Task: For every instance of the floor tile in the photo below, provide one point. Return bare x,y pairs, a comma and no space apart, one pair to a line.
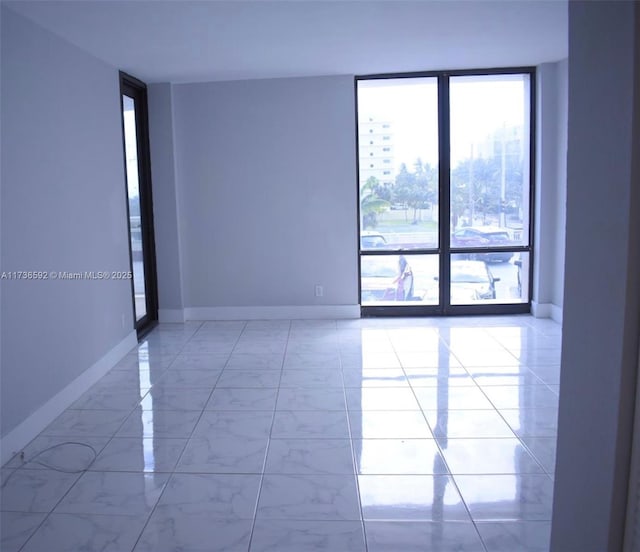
312,456
523,376
532,422
410,497
189,378
537,356
170,530
161,397
50,452
263,346
521,396
388,424
249,378
228,424
205,361
145,361
276,535
548,374
247,361
311,378
507,497
311,361
199,347
372,359
308,497
408,536
117,398
289,424
381,398
139,455
448,424
398,456
128,379
223,325
544,451
34,490
279,435
483,456
113,493
429,359
115,533
469,355
508,536
267,325
391,377
242,399
224,455
87,423
219,496
161,423
310,399
17,527
433,377
452,398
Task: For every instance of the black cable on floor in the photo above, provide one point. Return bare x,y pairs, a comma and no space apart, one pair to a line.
33,460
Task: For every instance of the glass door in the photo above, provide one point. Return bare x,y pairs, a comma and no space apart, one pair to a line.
445,192
139,203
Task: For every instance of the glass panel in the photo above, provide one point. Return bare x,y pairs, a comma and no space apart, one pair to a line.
398,160
489,160
135,235
399,279
485,278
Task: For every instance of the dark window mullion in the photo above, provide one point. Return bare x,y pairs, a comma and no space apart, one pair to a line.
444,177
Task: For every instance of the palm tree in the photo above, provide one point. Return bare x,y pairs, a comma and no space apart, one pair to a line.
370,203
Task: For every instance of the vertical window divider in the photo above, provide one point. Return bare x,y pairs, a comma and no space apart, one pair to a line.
444,177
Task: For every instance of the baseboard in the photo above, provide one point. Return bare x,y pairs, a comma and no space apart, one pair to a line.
30,428
556,313
541,310
547,310
168,316
311,312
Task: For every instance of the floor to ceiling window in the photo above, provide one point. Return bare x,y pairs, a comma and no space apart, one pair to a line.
445,192
139,202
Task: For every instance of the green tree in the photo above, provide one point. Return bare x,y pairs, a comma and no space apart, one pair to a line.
371,204
416,189
476,188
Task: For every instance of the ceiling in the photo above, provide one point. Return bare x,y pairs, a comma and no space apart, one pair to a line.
193,41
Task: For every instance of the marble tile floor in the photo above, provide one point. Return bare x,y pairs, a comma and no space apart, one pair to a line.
375,435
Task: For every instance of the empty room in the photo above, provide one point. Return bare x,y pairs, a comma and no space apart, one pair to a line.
351,276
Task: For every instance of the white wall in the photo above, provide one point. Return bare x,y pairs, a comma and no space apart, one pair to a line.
266,180
165,202
63,208
560,198
601,294
551,187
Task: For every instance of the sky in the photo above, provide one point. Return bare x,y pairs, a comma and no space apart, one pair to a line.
479,106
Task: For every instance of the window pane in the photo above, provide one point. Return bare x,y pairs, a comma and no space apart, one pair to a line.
399,279
489,160
398,163
131,151
481,278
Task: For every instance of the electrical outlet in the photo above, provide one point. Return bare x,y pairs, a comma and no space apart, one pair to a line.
319,291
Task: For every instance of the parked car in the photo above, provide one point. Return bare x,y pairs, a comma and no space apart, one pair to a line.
484,236
471,281
386,278
371,240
